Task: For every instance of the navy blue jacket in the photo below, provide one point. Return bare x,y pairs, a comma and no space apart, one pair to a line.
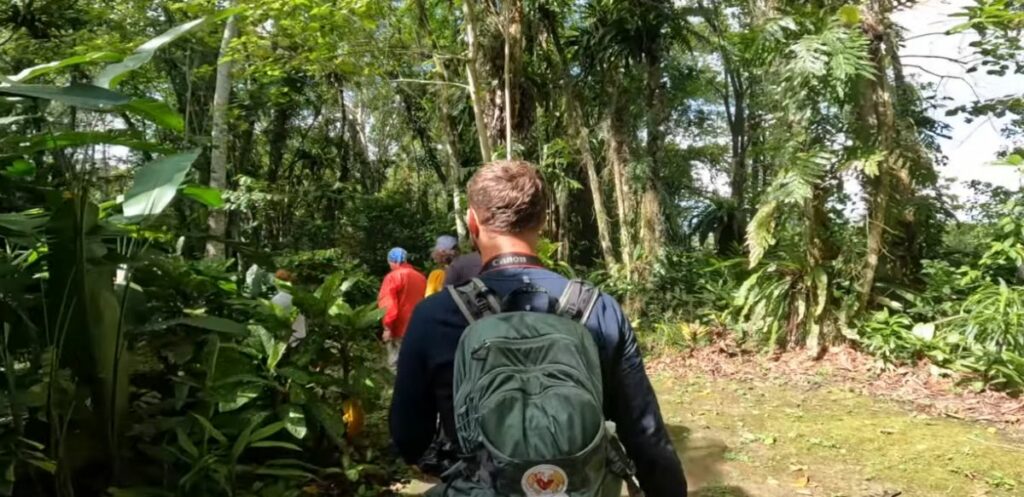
426,362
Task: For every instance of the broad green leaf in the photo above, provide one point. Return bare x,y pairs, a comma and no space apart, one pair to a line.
272,347
330,419
185,443
50,141
286,472
21,168
1015,160
924,331
276,445
43,464
139,492
245,438
243,396
212,323
75,95
295,421
21,223
156,112
7,121
114,73
205,195
41,69
267,431
156,184
210,430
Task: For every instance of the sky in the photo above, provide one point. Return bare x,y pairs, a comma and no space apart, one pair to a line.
972,147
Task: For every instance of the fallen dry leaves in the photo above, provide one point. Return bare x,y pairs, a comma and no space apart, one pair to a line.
917,386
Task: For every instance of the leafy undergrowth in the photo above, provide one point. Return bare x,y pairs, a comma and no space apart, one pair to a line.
744,438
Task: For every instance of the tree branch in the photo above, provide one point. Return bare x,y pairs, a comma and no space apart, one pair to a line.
939,57
946,76
428,82
922,35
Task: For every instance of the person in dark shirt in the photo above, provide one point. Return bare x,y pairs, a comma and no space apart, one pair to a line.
463,269
507,205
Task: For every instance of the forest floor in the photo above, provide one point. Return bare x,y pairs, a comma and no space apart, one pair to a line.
749,426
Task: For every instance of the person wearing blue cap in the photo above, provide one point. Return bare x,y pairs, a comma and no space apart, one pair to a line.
446,248
400,291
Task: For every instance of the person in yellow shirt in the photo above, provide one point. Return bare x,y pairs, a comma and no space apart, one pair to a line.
445,250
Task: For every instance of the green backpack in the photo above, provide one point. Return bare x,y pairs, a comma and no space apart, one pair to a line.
528,400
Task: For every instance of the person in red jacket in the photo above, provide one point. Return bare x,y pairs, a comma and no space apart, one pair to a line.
401,290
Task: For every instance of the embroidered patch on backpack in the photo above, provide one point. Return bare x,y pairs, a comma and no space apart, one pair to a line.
545,480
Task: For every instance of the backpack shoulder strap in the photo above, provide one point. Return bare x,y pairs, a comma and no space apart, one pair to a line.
475,300
578,300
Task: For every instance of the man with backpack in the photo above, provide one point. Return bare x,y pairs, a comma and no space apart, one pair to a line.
525,367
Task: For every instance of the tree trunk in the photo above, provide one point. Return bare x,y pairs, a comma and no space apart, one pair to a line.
473,76
219,139
581,135
652,230
564,233
512,29
277,139
617,151
910,253
818,253
738,181
877,112
450,140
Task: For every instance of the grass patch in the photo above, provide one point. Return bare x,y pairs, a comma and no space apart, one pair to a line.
777,440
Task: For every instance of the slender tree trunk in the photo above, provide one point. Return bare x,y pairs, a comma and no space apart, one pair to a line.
581,135
878,112
738,180
910,253
219,139
512,29
818,253
652,230
564,233
617,151
277,139
450,140
473,77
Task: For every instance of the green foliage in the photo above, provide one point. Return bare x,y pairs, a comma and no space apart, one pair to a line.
133,371
890,337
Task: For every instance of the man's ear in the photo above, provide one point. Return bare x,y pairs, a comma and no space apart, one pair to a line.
472,223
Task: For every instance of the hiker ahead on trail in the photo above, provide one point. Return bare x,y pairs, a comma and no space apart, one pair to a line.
400,291
526,366
446,249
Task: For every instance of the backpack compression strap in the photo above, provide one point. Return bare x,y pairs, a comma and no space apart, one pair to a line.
578,300
475,300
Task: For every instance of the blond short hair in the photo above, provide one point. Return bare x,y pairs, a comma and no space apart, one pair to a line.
509,196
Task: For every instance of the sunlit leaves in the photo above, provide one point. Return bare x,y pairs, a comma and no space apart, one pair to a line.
49,67
113,73
77,95
792,187
156,184
208,196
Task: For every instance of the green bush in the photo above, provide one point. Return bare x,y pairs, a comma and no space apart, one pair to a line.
890,337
